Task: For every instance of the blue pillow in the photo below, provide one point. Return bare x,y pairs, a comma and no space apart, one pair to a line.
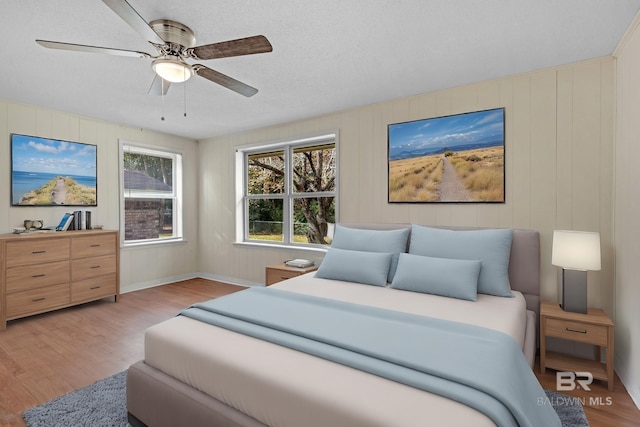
386,241
454,278
492,247
370,268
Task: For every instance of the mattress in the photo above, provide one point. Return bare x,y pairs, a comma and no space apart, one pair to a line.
286,388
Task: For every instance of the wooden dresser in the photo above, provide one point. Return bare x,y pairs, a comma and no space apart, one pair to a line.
41,272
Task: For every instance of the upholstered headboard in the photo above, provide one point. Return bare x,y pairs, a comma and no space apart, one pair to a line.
524,262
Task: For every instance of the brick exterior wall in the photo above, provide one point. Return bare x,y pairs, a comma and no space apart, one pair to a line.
142,219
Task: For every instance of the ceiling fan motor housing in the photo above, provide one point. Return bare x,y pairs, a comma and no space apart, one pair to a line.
174,32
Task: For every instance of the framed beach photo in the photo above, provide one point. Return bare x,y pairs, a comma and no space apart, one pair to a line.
52,172
450,159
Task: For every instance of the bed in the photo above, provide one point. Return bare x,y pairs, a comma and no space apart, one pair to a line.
239,380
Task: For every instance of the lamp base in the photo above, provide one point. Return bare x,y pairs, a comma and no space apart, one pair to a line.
574,291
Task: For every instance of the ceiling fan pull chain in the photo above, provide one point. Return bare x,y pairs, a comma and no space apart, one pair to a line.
185,93
162,101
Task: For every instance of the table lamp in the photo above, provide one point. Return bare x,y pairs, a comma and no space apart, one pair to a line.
576,252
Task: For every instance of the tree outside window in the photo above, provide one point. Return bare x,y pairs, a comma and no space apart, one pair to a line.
290,193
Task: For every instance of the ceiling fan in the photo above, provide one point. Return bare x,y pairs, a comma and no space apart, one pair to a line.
175,43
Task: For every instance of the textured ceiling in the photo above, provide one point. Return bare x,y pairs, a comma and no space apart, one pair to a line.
327,55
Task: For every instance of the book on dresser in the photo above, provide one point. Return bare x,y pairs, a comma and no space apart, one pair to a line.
65,222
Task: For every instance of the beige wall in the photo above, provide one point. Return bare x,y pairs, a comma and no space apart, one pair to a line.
627,212
139,267
559,169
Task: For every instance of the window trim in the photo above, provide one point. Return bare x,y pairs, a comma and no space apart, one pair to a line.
289,146
178,194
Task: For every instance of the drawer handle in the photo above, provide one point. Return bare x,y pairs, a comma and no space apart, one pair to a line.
38,275
97,245
38,252
95,266
95,287
580,331
38,299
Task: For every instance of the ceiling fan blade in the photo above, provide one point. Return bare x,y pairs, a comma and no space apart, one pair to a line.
92,49
135,21
245,46
159,86
224,80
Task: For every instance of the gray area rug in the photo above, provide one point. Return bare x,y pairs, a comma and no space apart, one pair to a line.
103,404
568,408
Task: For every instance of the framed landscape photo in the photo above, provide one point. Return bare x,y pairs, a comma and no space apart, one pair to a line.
52,172
450,159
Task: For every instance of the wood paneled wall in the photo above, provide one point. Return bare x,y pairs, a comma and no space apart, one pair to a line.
559,169
627,211
139,266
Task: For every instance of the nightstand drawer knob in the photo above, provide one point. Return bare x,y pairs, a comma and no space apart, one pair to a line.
580,331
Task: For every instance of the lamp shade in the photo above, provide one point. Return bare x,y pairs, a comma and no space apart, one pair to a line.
172,70
576,250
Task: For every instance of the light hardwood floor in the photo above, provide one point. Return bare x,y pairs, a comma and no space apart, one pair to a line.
45,356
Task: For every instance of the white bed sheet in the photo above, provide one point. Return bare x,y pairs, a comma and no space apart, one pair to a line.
286,388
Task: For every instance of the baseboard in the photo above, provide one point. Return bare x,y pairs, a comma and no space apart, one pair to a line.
157,282
166,280
226,279
633,388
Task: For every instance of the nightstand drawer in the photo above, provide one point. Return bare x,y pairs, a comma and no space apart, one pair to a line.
577,331
275,276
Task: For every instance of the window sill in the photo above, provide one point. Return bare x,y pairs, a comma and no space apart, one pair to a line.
317,249
161,242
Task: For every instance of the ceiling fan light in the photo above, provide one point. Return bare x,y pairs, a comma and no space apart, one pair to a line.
172,70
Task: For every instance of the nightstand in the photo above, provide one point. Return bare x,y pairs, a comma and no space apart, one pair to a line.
595,328
280,272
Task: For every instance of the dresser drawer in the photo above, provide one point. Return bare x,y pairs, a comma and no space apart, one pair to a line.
94,288
36,251
92,267
37,300
90,246
577,331
36,276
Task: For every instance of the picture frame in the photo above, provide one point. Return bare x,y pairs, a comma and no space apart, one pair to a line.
458,158
52,172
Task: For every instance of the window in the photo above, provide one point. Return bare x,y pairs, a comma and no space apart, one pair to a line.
151,194
289,191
